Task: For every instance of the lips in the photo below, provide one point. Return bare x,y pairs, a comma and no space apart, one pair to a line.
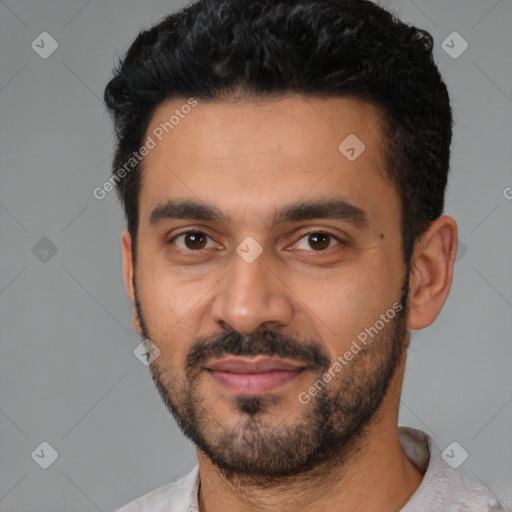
254,376
247,366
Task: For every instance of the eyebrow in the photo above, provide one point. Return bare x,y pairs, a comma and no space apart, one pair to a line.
335,208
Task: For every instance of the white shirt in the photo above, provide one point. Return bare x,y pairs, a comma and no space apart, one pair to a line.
442,489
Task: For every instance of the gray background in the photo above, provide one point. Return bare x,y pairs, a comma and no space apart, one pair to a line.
68,373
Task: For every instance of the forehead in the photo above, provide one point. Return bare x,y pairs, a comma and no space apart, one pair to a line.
253,156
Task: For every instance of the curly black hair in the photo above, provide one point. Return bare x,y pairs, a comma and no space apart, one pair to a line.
219,49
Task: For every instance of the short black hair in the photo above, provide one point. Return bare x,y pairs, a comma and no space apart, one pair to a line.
218,49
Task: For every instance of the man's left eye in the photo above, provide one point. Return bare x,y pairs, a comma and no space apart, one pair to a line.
318,241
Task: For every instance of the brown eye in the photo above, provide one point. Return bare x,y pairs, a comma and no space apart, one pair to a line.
318,241
192,240
195,240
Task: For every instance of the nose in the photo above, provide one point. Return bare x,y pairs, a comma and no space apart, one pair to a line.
252,297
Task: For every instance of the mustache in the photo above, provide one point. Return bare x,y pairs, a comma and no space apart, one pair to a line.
268,343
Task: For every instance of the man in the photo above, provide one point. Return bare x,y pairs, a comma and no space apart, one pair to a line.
282,165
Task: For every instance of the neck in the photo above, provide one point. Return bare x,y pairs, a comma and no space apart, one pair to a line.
376,476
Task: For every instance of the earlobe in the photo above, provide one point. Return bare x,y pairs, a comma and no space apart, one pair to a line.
431,272
135,320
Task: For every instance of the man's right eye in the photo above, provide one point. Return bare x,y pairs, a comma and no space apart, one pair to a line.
192,240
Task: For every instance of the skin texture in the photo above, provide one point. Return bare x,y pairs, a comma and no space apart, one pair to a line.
249,159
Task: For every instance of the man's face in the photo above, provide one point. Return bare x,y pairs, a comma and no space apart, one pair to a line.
255,282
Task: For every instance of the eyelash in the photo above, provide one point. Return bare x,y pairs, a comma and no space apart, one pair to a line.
304,235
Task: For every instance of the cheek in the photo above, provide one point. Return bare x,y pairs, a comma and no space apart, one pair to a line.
164,303
168,314
172,304
354,302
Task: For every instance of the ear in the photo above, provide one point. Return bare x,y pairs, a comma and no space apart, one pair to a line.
128,275
431,272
